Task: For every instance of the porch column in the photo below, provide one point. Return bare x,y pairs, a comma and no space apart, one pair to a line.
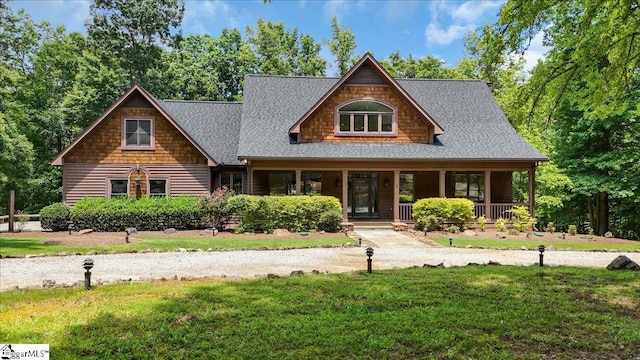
298,181
345,195
532,191
487,194
396,195
250,181
442,184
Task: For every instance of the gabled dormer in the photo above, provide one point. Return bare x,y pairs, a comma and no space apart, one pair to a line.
366,105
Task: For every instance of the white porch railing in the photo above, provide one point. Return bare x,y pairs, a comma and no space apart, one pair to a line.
497,211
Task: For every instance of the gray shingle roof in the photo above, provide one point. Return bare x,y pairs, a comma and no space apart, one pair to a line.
475,128
215,126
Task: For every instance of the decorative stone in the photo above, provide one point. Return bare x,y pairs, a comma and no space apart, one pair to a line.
315,272
48,283
622,262
272,276
608,234
297,273
182,250
29,256
206,232
501,235
524,248
92,252
170,231
85,231
469,246
131,230
281,232
493,263
399,226
470,233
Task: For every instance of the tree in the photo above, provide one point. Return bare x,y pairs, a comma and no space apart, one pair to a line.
427,67
341,45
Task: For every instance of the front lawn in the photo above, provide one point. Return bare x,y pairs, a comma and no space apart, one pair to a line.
20,246
533,243
455,313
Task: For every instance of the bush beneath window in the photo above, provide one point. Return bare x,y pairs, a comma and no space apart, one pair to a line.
147,214
456,211
55,217
294,213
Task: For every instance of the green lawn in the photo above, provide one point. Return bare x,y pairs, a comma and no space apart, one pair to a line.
473,312
533,243
24,246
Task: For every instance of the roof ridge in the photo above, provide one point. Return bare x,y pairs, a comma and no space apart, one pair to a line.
294,76
204,101
448,80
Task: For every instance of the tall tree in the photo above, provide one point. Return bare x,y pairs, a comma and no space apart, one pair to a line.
427,67
341,45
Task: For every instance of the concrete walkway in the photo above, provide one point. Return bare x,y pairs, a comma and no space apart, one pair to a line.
387,238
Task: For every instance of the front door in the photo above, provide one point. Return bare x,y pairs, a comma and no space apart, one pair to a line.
363,195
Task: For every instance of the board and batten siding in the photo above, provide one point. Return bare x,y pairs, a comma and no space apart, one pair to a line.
92,180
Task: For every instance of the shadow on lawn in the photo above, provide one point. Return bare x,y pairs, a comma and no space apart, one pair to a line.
485,312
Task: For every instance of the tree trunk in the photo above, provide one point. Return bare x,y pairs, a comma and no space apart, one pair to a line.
591,213
602,208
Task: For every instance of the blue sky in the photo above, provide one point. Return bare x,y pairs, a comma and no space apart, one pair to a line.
420,28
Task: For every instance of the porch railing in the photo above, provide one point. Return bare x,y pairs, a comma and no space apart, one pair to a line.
497,211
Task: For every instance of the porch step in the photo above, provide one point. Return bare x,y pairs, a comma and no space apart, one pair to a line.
372,225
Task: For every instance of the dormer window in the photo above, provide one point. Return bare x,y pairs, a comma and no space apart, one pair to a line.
137,133
365,118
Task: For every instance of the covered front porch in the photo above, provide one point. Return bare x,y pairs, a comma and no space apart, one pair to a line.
386,192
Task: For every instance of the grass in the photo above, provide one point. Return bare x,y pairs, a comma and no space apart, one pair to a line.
517,243
455,313
24,246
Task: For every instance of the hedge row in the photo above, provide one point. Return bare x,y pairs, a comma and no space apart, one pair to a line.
436,211
294,213
55,217
149,214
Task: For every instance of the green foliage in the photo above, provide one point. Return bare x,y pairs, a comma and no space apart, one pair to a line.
514,231
341,45
453,210
551,227
406,198
572,229
501,224
427,67
482,221
55,217
521,218
294,213
154,213
214,207
429,223
454,229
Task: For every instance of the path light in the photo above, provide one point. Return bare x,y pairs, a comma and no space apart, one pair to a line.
126,236
425,231
563,234
541,249
450,241
359,240
369,253
87,264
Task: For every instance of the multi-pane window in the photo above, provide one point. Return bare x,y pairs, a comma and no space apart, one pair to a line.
469,185
366,118
118,187
232,181
406,188
311,183
137,132
157,187
282,183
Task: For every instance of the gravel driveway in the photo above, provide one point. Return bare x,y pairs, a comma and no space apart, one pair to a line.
67,270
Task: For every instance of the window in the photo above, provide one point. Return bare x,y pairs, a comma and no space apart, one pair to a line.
157,188
137,133
118,188
233,181
365,118
282,183
470,186
311,183
406,188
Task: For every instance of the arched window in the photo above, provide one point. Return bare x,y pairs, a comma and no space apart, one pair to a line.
365,117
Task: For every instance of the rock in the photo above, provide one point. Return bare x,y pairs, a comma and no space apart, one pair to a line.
272,276
281,232
209,249
469,246
62,254
131,230
304,233
297,273
321,232
441,265
206,232
524,248
501,235
315,272
85,231
470,233
551,248
92,252
182,250
29,256
48,283
623,263
493,263
608,234
170,231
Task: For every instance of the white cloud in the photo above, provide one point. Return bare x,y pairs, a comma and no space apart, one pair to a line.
471,11
335,8
535,52
198,13
439,36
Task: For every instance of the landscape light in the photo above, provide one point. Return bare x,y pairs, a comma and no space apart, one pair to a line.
450,241
369,253
87,264
359,240
541,249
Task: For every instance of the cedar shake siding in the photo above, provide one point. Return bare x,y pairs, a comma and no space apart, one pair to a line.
92,180
104,144
320,126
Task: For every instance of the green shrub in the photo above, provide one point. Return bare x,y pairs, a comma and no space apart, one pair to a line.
406,198
482,222
551,227
454,210
521,218
151,214
501,224
214,207
55,217
454,229
430,223
294,213
514,231
572,229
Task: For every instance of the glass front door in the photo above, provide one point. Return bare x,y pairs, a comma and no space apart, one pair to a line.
363,195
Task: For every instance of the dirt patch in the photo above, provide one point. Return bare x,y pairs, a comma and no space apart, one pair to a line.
115,238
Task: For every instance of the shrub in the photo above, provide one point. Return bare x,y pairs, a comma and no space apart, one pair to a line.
152,214
55,217
482,221
521,218
572,229
430,223
406,198
551,227
294,213
454,229
214,207
514,231
501,224
456,211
